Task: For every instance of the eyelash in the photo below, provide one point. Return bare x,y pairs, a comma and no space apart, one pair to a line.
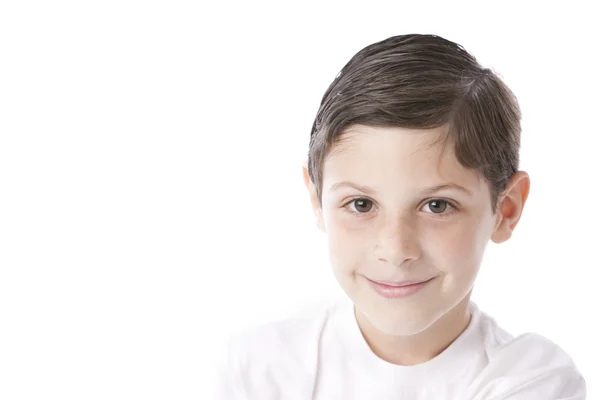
453,208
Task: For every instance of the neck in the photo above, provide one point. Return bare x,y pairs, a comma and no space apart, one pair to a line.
420,347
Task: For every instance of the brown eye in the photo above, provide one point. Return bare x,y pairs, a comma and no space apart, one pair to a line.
437,206
362,205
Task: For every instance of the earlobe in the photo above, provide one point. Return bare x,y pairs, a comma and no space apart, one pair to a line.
306,175
510,207
315,204
319,221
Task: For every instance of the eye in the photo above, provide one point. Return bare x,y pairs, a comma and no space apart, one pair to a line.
438,206
361,206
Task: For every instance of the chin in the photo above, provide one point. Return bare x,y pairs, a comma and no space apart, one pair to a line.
401,316
400,321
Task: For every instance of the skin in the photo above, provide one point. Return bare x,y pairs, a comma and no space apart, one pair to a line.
388,222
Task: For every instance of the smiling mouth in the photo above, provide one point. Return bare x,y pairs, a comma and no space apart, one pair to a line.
401,283
398,289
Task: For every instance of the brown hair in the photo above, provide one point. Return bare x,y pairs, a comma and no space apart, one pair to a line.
422,82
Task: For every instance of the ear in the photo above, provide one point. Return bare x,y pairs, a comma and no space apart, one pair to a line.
510,208
314,200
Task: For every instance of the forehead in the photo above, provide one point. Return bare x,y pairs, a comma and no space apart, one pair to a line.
382,155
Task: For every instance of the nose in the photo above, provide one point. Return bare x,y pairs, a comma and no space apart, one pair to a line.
398,243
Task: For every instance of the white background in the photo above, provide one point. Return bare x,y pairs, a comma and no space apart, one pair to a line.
151,198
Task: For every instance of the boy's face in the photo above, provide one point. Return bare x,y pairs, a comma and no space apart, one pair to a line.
385,222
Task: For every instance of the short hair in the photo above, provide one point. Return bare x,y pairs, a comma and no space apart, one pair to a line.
420,81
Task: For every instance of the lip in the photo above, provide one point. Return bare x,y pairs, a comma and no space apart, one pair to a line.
396,290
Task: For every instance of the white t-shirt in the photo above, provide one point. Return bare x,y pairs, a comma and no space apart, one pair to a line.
326,358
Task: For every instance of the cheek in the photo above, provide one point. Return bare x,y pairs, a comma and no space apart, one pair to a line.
459,252
458,248
346,240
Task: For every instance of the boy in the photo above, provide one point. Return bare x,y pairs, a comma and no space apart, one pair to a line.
412,169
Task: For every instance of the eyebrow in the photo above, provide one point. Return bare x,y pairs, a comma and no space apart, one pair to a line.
443,186
370,191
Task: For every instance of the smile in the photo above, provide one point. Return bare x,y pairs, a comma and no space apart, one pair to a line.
398,289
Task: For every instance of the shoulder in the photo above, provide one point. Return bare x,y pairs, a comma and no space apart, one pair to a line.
528,366
275,355
520,353
291,335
